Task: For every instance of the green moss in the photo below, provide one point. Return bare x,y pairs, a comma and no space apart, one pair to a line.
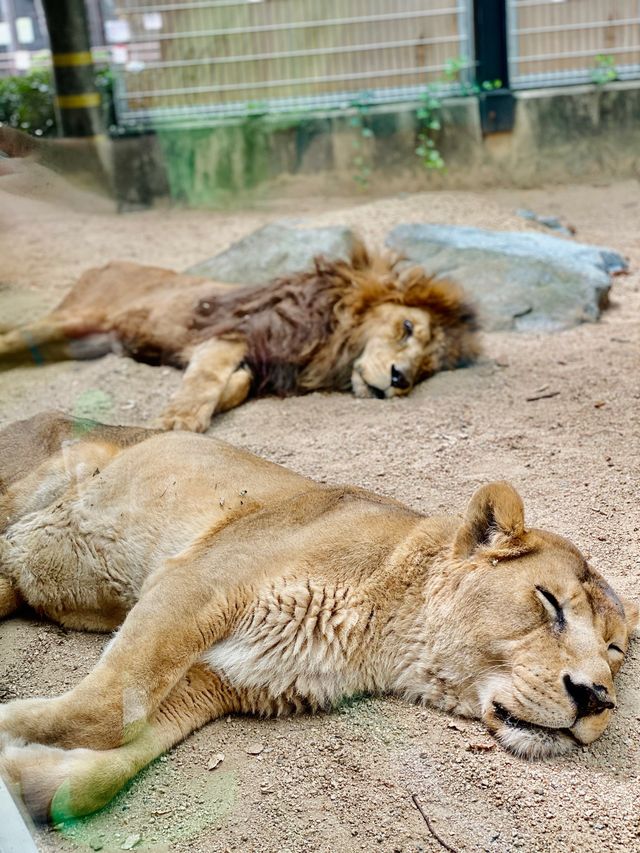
211,166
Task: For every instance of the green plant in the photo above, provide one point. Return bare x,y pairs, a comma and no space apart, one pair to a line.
104,80
604,70
453,69
429,124
428,118
26,102
360,121
429,112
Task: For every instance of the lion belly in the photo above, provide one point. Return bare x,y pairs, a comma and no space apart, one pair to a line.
299,638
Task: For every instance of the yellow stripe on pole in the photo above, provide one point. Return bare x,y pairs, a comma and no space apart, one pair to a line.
67,60
78,102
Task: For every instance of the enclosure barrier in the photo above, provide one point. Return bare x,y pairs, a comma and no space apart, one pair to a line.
558,42
200,62
225,58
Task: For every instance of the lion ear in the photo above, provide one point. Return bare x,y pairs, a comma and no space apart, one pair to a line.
494,517
631,614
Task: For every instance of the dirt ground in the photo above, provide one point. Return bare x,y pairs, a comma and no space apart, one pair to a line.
343,782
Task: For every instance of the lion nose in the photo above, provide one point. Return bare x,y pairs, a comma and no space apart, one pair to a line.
398,379
589,698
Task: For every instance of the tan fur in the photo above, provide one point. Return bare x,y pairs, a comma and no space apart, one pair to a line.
342,326
244,587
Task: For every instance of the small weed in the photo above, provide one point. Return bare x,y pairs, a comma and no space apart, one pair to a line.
604,70
429,124
360,122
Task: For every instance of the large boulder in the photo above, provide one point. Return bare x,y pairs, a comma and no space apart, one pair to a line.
517,280
276,250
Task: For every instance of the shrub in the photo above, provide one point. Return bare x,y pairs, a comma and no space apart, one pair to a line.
26,102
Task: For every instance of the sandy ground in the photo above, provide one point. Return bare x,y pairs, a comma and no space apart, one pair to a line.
343,782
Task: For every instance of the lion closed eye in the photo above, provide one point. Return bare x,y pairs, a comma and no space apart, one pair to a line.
402,347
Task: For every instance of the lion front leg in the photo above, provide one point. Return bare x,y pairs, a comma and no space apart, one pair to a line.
59,784
162,637
211,368
236,390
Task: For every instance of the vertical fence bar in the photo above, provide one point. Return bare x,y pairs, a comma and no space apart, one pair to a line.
497,107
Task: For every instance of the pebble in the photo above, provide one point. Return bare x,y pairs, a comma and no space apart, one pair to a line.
216,761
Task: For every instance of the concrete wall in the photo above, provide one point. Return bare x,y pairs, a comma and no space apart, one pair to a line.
572,134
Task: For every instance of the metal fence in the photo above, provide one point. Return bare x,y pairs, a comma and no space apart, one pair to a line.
555,42
203,60
196,62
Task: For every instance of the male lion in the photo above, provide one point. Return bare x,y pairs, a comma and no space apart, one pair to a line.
244,587
362,325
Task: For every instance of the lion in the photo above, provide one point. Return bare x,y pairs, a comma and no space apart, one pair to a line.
237,586
364,325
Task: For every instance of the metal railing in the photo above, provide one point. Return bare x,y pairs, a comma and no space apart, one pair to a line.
202,61
555,42
199,62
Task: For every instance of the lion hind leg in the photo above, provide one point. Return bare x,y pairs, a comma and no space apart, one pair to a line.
58,784
53,339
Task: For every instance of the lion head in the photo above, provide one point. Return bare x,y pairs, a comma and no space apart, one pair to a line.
393,326
523,632
402,346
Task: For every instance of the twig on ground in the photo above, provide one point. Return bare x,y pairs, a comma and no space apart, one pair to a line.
440,841
542,396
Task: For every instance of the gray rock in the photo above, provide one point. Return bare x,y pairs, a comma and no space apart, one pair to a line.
551,222
275,250
517,280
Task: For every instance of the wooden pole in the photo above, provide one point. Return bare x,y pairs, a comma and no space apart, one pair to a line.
77,99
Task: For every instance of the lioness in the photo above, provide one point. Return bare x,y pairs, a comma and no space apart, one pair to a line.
363,325
241,586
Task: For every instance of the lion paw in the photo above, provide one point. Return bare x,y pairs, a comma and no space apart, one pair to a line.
181,419
58,784
30,770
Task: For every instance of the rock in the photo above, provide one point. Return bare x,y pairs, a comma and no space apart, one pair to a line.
254,748
517,280
130,842
480,746
275,250
551,222
217,759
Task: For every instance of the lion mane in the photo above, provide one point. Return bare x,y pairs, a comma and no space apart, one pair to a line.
304,331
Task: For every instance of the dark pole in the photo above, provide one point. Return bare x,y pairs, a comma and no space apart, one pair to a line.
77,100
497,106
